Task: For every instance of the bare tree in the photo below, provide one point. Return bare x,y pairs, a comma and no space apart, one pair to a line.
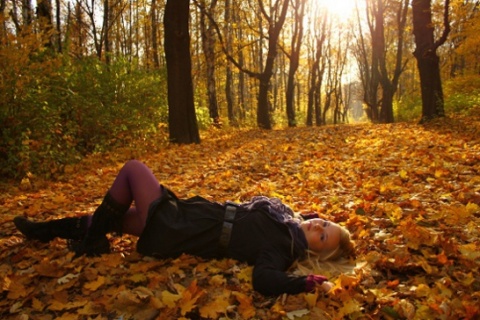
208,46
228,69
317,70
294,56
274,14
367,62
389,80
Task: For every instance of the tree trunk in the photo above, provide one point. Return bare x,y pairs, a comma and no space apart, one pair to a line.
156,60
299,9
59,26
389,82
3,32
263,107
208,46
311,91
428,62
182,119
386,107
106,32
229,76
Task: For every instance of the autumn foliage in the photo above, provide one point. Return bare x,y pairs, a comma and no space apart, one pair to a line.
409,194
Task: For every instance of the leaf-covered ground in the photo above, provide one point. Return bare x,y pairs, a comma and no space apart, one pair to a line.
409,194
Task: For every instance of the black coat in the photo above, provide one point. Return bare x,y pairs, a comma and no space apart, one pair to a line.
194,225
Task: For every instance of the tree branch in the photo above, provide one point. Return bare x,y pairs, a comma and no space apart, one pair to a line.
224,49
446,25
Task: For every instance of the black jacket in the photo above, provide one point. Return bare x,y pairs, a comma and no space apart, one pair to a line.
194,225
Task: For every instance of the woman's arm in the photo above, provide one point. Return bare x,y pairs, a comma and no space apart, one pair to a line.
270,277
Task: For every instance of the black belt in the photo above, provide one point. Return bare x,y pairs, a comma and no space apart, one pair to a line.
230,211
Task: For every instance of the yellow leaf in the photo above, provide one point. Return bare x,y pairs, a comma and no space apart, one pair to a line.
138,277
245,274
394,212
349,306
170,299
89,309
94,285
57,306
156,303
311,299
217,280
470,251
473,208
422,290
212,309
465,279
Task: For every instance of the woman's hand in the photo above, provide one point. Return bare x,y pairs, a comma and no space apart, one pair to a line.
314,281
326,286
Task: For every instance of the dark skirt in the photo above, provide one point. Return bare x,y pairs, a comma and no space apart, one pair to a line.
175,226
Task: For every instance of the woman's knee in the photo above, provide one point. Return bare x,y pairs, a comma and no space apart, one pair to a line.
134,166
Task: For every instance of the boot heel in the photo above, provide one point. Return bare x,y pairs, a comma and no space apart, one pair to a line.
91,247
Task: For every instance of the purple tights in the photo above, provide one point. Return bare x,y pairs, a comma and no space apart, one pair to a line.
135,183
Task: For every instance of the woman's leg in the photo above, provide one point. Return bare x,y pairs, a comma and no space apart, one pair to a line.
135,183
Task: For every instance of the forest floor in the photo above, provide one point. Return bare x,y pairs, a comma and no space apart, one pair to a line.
409,194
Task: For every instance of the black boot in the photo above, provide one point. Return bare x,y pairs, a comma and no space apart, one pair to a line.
66,228
107,218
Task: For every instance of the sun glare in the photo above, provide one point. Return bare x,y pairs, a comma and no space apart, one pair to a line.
340,9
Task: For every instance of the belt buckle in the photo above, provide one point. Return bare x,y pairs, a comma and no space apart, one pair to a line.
228,219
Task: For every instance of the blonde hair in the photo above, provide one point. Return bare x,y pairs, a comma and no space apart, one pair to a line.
345,249
334,262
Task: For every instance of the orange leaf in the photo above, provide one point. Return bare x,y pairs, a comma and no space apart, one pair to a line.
190,297
246,309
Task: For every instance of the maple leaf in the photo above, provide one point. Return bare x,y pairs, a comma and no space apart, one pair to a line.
245,274
190,297
218,306
94,285
170,299
17,291
245,308
37,305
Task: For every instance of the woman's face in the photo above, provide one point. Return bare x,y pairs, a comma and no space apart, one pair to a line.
323,236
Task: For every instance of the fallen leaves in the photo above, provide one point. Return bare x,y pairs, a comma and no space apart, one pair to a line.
409,194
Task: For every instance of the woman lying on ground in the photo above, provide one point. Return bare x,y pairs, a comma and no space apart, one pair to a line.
262,232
